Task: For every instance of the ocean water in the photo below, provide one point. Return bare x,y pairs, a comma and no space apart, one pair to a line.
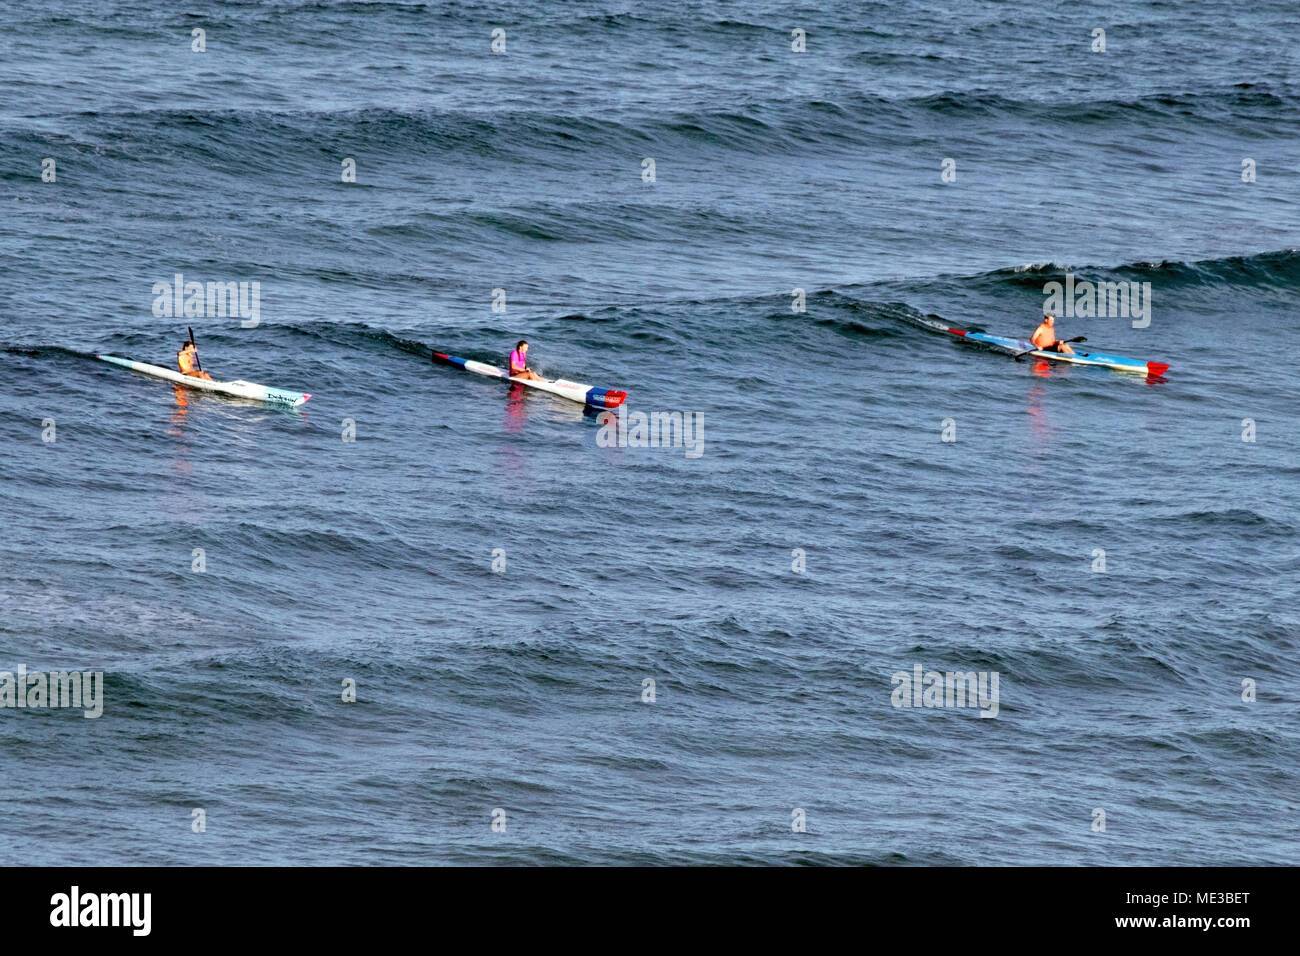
499,583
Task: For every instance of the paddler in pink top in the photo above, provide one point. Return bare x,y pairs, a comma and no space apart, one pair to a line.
519,364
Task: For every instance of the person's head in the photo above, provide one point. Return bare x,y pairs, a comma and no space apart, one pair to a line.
1048,319
188,345
522,347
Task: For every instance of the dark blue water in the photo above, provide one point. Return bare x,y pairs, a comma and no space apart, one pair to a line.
372,560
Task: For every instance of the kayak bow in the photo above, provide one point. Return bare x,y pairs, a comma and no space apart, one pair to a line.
238,389
1117,362
574,391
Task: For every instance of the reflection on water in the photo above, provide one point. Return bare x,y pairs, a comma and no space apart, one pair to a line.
516,408
1040,423
551,407
182,409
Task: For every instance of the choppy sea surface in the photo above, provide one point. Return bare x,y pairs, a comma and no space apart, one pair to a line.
651,654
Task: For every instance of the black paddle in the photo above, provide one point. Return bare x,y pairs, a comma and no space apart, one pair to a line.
196,349
1019,355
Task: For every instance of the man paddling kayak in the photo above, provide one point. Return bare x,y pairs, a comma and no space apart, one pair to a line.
519,364
188,360
1044,338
